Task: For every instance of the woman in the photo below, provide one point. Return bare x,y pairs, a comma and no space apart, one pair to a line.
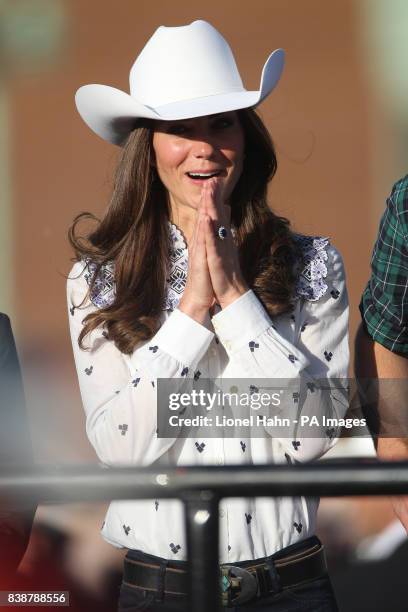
189,275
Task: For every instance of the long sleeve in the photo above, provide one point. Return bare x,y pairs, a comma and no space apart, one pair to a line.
315,361
119,391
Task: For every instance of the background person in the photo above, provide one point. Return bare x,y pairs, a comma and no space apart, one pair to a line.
382,339
15,450
189,274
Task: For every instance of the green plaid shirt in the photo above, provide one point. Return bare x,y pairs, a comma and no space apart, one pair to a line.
384,304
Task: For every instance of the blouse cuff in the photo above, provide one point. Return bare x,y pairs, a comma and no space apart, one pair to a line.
182,338
240,323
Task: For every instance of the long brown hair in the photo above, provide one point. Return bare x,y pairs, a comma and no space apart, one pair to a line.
134,234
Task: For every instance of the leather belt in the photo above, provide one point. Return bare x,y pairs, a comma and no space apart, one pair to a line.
239,582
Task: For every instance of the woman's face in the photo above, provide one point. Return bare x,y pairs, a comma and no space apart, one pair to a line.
189,150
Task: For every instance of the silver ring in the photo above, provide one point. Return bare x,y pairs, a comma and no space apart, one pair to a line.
222,232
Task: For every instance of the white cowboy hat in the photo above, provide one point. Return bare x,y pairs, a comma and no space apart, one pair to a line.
182,72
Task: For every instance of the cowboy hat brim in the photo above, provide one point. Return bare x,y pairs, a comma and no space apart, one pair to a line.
112,114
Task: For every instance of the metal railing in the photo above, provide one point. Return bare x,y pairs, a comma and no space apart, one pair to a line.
200,489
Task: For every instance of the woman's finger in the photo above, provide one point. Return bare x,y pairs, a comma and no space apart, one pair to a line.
209,198
200,210
201,231
213,255
201,248
218,211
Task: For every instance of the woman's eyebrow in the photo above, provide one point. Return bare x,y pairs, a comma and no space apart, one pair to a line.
229,114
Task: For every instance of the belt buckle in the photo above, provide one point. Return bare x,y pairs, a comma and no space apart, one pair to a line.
237,585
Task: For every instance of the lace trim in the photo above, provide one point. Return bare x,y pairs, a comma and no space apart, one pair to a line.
103,292
310,283
178,268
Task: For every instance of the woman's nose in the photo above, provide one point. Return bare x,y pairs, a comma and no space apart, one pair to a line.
203,148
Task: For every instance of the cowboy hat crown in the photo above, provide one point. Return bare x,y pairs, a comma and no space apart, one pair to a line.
182,72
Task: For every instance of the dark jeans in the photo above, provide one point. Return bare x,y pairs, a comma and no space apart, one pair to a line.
314,596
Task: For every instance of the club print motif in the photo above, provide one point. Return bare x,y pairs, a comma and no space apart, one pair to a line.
197,375
243,446
200,447
72,310
335,294
295,444
295,397
135,382
253,345
248,518
126,529
304,325
328,356
123,429
298,527
184,371
292,358
174,548
156,505
89,370
154,349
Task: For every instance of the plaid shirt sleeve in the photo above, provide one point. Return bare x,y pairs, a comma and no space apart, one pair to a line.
384,304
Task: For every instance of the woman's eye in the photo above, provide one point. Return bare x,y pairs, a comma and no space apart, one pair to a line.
223,123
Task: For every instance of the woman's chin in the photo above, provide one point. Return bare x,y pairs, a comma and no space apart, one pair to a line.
192,198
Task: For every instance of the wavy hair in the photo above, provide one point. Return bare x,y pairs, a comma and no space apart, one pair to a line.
134,235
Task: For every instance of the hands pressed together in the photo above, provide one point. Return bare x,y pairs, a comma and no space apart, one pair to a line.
214,274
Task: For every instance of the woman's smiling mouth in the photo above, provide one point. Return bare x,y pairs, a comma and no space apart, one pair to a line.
200,177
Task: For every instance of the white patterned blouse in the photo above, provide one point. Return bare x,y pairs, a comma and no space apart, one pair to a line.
242,342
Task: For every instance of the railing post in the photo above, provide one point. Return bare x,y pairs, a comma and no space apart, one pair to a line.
202,529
